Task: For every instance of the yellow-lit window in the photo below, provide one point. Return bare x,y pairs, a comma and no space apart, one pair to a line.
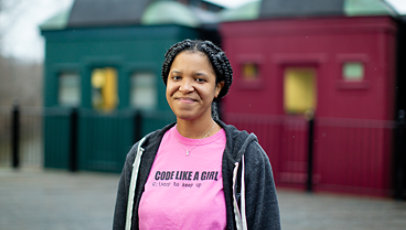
69,89
250,71
353,71
299,90
104,89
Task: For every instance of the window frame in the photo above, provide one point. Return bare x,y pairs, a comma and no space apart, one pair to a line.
258,82
344,84
117,83
314,77
59,76
130,90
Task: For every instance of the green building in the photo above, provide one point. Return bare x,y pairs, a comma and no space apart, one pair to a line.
102,76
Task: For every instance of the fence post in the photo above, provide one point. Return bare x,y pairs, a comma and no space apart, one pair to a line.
73,137
310,141
399,157
15,136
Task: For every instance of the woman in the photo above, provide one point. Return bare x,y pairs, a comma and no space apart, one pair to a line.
198,173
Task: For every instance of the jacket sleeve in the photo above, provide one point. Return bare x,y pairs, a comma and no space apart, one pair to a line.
262,209
122,193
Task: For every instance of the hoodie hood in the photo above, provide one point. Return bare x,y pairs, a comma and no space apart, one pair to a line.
237,141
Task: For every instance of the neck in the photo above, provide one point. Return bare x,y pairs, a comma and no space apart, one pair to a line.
197,130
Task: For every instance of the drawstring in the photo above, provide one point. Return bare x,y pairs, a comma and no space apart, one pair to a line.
240,215
237,213
243,214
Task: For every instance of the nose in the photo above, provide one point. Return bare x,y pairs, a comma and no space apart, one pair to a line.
186,86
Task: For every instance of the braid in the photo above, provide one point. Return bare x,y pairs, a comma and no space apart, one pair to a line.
216,56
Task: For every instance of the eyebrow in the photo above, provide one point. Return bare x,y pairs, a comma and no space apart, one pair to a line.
195,74
175,72
201,74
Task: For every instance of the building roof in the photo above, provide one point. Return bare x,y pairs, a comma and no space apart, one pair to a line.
289,8
85,13
170,12
106,12
262,9
90,13
247,11
58,21
368,7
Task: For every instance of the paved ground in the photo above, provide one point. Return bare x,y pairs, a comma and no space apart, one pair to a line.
57,200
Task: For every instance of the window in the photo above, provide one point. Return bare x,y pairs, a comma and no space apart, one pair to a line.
143,93
250,71
353,71
69,89
299,90
104,89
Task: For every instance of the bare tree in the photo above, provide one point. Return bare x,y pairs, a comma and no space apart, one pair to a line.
20,82
10,10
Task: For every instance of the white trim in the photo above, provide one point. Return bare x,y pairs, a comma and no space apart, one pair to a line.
133,184
243,214
237,214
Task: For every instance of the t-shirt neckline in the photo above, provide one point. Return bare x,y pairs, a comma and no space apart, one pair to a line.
196,142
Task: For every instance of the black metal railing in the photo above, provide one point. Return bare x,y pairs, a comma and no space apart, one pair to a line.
399,161
332,154
21,136
297,147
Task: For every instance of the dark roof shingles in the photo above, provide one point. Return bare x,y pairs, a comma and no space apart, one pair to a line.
295,8
106,12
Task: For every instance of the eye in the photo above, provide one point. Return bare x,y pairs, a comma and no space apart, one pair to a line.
176,78
200,80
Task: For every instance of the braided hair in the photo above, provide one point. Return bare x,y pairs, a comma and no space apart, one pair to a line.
216,56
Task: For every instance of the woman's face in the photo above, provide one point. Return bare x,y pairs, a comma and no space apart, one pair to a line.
191,86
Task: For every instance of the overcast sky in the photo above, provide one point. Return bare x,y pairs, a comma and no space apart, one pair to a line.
22,39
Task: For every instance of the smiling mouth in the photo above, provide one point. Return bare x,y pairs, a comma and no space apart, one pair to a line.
185,99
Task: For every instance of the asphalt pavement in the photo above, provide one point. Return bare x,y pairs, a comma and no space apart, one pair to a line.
38,199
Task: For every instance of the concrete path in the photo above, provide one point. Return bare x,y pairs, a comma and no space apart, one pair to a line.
58,200
301,211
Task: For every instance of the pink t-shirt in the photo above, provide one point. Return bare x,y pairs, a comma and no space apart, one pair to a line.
184,189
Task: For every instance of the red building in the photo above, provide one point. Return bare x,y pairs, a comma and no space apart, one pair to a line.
339,69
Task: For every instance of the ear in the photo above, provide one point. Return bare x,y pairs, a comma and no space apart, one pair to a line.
218,88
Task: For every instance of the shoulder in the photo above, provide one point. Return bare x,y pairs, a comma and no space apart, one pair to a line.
235,137
240,143
232,132
149,143
256,155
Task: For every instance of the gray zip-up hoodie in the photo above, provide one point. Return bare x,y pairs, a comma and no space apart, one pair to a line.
249,188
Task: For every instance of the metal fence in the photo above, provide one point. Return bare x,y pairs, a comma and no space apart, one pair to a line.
332,154
21,142
328,154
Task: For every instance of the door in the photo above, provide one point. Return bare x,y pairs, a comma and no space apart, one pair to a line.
105,131
299,101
